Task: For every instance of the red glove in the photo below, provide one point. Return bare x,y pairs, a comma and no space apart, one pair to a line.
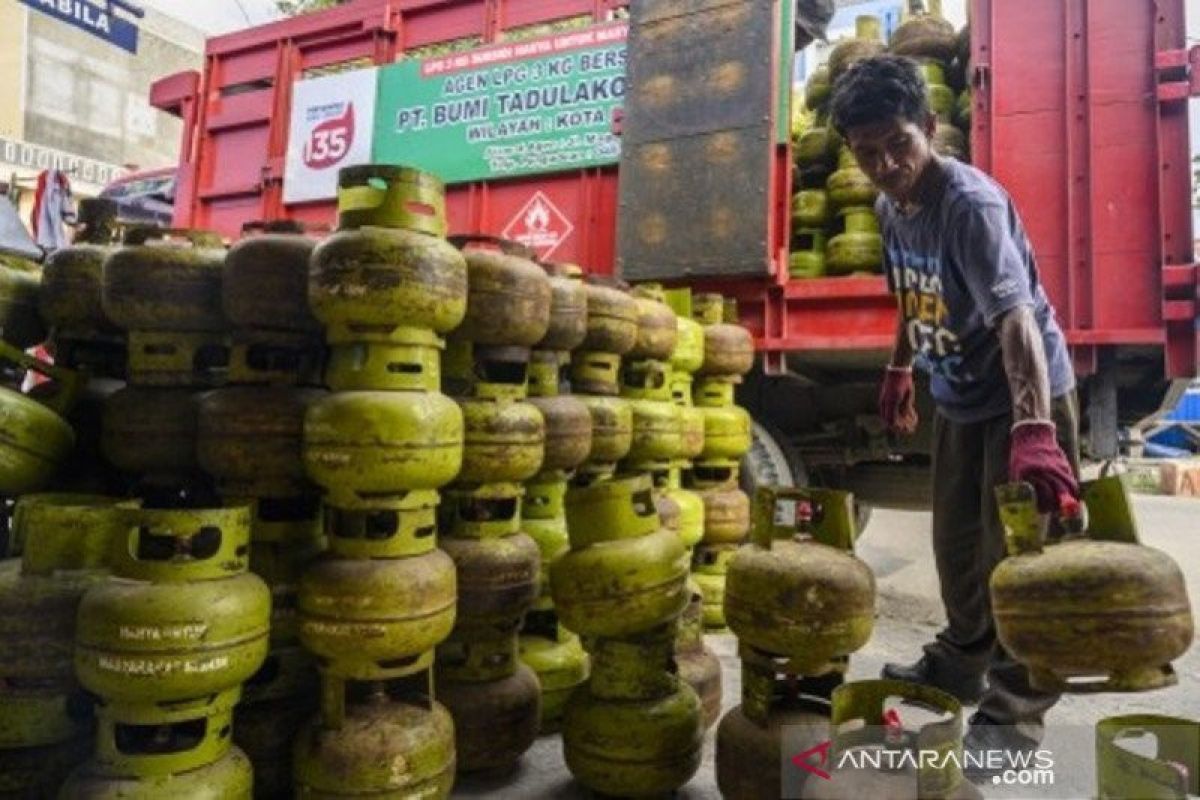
897,400
1036,458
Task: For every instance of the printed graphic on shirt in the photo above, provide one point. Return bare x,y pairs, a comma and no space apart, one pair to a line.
917,280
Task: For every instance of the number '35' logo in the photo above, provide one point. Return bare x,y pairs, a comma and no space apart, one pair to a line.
330,141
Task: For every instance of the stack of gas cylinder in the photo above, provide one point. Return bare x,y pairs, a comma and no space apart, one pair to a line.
800,603
386,286
728,355
634,729
163,288
90,352
697,664
553,652
45,721
165,643
834,228
943,55
249,439
494,697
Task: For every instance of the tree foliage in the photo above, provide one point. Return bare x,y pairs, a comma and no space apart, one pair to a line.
294,7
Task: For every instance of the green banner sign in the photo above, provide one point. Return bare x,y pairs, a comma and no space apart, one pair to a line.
506,110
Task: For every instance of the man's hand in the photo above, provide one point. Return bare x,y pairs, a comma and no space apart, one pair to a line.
898,401
1036,458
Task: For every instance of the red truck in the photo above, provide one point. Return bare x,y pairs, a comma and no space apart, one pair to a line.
1079,109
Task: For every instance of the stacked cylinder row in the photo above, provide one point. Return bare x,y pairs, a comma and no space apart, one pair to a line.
834,227
323,535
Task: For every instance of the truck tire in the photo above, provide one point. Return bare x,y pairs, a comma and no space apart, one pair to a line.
771,461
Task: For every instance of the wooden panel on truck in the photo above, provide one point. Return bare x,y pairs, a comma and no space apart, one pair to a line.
697,140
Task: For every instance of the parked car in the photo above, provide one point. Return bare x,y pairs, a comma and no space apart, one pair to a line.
146,197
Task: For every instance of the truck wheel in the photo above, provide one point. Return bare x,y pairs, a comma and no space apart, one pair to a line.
772,461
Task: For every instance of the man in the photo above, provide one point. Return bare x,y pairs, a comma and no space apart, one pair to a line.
974,316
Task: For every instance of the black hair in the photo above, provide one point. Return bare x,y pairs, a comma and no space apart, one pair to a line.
878,89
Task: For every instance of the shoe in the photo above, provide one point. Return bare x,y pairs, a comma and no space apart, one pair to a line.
989,749
927,672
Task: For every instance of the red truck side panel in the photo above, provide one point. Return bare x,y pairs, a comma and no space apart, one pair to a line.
1068,118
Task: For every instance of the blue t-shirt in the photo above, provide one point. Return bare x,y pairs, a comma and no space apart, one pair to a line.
956,265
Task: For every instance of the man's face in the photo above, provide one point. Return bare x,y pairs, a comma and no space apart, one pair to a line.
893,154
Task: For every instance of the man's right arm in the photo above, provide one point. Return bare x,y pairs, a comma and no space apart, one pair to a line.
902,352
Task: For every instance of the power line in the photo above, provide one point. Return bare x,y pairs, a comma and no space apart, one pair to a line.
242,8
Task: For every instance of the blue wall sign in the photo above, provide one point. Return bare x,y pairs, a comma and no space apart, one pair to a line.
97,17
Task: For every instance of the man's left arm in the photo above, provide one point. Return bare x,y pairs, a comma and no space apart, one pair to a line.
1025,364
1000,285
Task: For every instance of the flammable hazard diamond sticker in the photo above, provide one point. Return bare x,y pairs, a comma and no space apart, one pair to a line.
539,225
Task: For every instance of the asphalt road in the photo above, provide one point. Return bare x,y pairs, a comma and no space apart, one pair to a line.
896,545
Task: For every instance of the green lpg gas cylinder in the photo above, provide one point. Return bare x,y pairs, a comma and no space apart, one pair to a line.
145,752
925,35
561,665
749,752
381,748
150,430
568,426
505,436
811,209
251,438
807,258
728,348
657,330
727,426
165,280
495,721
20,323
164,288
612,428
264,286
657,422
691,418
69,298
691,507
859,247
1095,610
181,617
363,444
617,578
726,515
857,723
596,373
497,564
698,666
568,309
850,186
612,320
66,541
35,440
387,266
710,563
818,88
635,748
375,605
866,42
798,590
688,355
508,296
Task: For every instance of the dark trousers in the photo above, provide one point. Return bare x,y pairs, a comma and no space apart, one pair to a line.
969,460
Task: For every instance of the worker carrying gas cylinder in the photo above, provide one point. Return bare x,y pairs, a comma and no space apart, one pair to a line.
974,316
